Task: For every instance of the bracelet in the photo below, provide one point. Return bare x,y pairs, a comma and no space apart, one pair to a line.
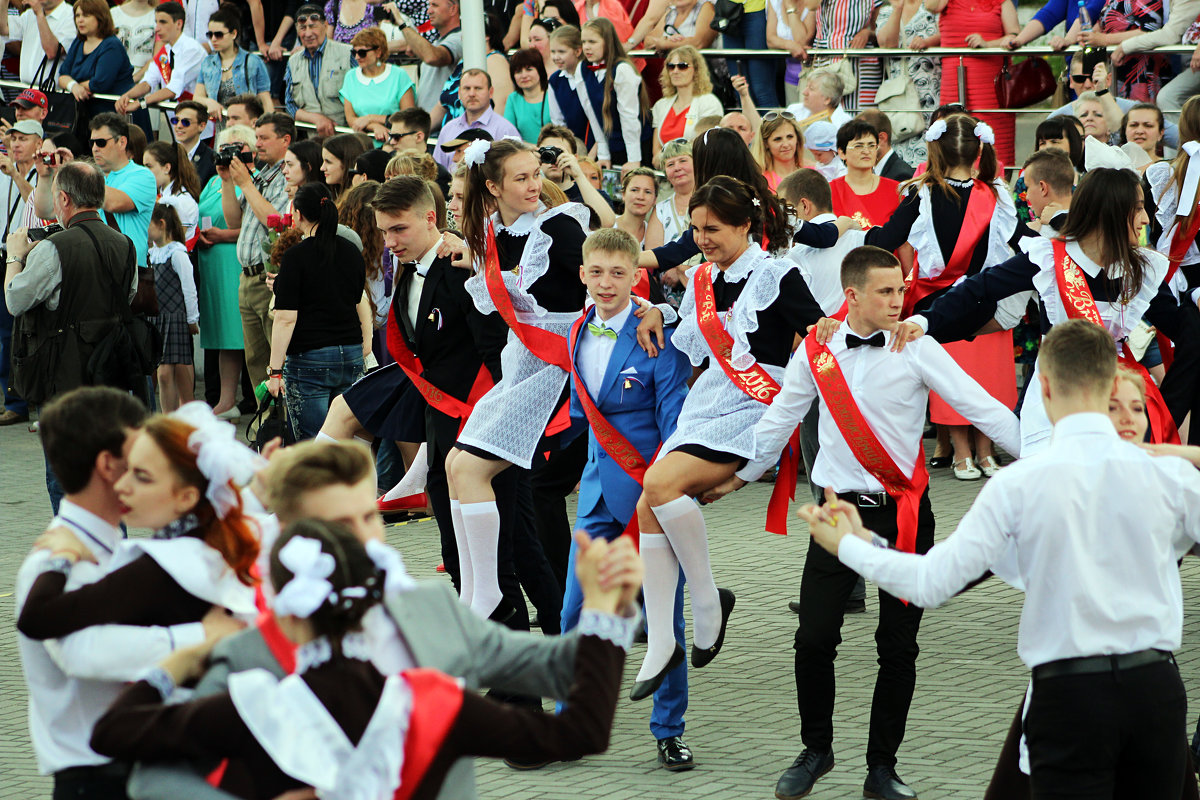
274,373
14,260
1101,92
71,86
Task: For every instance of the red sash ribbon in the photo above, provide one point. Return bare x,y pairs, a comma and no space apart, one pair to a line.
1180,243
981,205
436,701
1077,299
855,429
162,60
446,403
756,383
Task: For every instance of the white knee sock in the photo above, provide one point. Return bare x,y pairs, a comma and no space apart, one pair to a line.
683,524
466,575
481,524
322,436
413,481
658,591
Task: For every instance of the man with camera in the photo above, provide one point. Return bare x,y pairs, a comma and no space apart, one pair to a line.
556,151
68,292
263,193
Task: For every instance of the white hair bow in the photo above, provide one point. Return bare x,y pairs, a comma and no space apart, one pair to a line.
476,151
309,588
387,560
984,133
935,131
1098,155
1191,180
220,457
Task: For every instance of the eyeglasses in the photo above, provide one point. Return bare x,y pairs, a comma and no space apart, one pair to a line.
215,34
395,137
1080,78
313,18
181,122
774,115
680,66
100,142
361,52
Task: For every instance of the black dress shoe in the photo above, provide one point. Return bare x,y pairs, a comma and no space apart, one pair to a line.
884,784
701,658
794,606
798,780
674,755
503,612
525,766
940,462
643,689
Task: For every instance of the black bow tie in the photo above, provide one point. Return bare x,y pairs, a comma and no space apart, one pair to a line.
853,341
408,266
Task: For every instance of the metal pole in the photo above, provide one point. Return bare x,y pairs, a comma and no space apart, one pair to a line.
474,45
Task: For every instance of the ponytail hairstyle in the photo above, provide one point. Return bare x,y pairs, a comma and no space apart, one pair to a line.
168,217
614,54
1104,205
720,152
355,212
958,146
1189,131
355,583
231,535
737,203
568,35
478,201
183,174
314,202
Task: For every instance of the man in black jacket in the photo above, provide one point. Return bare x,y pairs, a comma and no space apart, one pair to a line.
188,124
890,164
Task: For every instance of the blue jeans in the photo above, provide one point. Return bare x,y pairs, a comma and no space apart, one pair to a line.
312,379
12,401
761,72
53,488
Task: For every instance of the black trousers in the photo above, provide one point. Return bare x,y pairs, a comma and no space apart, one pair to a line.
1181,386
554,478
105,782
1108,735
824,588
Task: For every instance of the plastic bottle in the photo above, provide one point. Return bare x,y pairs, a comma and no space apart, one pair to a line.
1085,19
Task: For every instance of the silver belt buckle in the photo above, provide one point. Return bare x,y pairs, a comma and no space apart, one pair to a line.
870,499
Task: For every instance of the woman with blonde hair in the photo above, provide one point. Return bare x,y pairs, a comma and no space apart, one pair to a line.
779,146
687,97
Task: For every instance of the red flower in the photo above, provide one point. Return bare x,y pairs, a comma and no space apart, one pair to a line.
275,222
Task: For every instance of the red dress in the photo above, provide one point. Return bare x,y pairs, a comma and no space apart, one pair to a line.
958,20
868,210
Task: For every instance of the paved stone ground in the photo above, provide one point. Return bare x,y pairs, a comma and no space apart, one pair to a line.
742,723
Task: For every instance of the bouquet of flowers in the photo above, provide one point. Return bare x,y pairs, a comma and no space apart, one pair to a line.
277,226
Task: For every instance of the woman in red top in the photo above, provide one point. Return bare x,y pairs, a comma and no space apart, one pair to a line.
978,23
687,97
860,193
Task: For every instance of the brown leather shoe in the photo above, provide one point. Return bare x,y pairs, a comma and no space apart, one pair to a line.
13,418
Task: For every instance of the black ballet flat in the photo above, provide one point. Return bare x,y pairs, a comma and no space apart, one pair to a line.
701,658
503,612
940,462
643,689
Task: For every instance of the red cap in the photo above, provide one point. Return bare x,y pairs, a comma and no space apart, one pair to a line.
30,98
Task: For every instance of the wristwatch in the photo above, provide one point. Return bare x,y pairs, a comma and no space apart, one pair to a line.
274,373
403,21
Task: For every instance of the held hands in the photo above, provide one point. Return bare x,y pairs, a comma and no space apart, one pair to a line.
63,544
324,125
623,568
590,554
80,92
828,523
650,330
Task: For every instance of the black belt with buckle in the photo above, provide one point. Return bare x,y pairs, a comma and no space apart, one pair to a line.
113,769
866,499
257,269
1093,665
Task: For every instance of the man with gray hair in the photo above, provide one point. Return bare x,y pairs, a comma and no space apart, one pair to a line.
67,291
821,99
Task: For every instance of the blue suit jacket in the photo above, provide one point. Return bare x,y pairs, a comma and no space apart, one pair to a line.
641,397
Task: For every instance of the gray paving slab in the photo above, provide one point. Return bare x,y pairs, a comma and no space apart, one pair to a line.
742,721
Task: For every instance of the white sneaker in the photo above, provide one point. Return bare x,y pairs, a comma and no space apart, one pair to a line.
988,466
968,471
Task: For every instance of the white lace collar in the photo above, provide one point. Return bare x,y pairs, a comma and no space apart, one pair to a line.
366,80
523,224
740,269
960,184
319,651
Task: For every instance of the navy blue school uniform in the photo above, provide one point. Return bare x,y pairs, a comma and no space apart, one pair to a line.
641,397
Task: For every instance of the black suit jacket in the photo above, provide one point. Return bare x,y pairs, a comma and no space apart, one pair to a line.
896,168
452,338
202,160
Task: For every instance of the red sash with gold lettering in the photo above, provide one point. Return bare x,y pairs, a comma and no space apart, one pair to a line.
549,347
981,206
1077,299
755,382
448,404
617,446
855,429
1179,247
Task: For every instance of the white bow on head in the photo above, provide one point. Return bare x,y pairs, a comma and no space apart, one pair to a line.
220,457
984,133
476,152
309,588
1098,155
935,131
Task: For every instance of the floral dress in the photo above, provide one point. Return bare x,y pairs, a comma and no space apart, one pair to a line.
1140,76
925,72
342,32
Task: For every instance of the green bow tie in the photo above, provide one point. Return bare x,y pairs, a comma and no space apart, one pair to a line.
600,330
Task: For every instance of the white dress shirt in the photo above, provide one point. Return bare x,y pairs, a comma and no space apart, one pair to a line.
188,54
822,268
1097,525
416,284
882,162
73,681
892,391
24,30
628,126
595,351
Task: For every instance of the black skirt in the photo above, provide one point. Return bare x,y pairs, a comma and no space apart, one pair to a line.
387,405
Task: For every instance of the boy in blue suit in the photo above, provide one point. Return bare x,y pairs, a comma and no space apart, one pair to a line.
638,397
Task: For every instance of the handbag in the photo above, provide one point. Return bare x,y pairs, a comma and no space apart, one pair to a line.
270,422
65,114
145,301
727,16
897,97
1021,85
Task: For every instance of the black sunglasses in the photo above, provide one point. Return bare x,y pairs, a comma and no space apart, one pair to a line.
550,23
679,65
1080,78
215,34
361,52
395,137
100,142
180,121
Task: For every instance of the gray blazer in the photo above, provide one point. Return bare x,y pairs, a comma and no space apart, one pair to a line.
440,632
